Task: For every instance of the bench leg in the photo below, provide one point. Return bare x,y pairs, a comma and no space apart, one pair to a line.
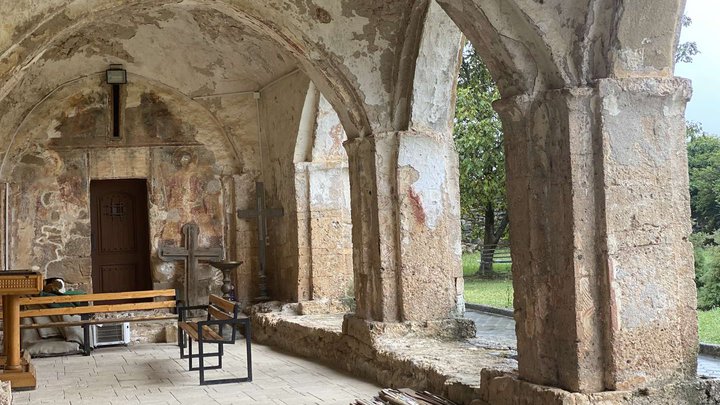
181,339
248,343
181,342
201,359
220,354
86,335
190,354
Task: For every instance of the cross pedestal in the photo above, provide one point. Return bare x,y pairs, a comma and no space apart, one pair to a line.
191,255
262,214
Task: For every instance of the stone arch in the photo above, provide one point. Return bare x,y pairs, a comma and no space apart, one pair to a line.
533,46
65,144
561,67
323,68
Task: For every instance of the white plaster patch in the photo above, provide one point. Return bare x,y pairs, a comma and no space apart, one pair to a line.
632,59
611,105
421,154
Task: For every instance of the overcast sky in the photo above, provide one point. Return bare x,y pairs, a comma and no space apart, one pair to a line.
704,71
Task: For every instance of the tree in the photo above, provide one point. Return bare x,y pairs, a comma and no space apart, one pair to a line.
704,170
479,142
686,50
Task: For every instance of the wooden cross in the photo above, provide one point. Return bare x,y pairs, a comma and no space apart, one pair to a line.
191,255
262,214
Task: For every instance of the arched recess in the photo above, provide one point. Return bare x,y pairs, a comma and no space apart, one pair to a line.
589,109
288,28
185,155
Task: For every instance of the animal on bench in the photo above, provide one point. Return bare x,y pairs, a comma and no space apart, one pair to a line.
220,313
91,304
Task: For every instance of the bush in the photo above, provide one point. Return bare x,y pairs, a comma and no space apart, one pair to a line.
707,269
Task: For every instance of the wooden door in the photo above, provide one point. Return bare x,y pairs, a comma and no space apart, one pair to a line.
120,235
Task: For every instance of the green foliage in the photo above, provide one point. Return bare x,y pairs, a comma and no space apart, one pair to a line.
686,50
704,169
707,269
479,142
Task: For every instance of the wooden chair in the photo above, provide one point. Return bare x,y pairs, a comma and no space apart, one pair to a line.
221,313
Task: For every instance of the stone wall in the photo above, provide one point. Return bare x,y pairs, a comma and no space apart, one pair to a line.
324,222
281,106
174,143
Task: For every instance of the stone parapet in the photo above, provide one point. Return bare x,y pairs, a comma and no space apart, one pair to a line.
499,388
467,371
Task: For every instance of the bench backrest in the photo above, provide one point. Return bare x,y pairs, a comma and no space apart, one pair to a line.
168,302
222,309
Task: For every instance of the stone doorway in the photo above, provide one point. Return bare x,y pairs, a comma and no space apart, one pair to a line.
120,235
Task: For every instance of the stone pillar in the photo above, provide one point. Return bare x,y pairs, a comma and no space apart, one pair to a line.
599,219
406,226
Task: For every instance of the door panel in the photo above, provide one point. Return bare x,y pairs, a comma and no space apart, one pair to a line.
120,235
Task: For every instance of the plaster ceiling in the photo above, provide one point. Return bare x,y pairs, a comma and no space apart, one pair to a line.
195,49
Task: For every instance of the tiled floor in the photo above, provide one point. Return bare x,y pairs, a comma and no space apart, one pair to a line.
153,374
502,330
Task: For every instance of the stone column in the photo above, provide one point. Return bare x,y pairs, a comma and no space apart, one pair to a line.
599,219
406,226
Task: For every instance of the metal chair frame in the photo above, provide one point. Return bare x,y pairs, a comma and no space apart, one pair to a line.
202,355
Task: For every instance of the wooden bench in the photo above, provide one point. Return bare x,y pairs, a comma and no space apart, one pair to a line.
101,303
220,314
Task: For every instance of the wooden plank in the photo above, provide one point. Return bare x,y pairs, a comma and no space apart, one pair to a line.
228,306
97,297
218,314
192,330
98,321
141,306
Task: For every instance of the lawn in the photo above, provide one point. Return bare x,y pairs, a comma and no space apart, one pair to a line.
495,293
499,292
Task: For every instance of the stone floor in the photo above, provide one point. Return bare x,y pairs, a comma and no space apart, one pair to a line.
502,330
153,374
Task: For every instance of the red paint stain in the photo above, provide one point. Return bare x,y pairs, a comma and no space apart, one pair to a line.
416,202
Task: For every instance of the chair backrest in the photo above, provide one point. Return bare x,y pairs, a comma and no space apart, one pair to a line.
221,308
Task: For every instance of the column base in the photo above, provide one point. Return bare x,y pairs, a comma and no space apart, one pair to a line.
21,379
366,331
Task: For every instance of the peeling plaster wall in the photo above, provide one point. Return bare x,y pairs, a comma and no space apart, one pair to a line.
324,220
173,142
281,108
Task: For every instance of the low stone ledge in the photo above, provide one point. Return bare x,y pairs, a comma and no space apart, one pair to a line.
710,349
394,355
491,310
322,306
468,371
503,388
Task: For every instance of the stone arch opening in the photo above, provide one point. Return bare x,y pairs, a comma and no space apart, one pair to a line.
559,81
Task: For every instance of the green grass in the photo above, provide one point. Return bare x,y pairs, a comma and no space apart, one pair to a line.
499,293
471,264
495,293
709,326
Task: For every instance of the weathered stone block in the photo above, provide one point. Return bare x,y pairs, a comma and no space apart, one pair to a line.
171,333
